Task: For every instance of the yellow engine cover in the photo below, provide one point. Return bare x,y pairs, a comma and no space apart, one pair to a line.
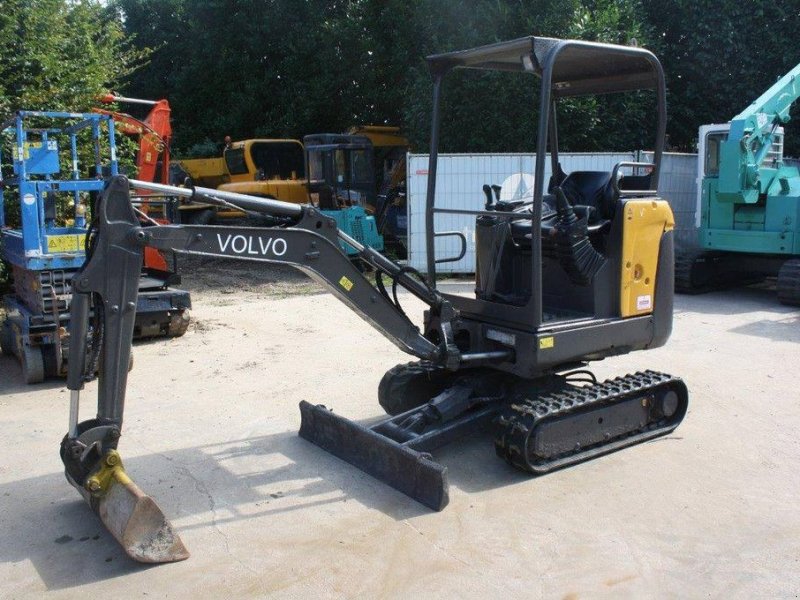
645,223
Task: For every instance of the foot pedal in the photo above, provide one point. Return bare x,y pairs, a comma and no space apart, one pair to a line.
409,471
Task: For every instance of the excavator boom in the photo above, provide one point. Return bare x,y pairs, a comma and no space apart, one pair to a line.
750,138
105,293
154,134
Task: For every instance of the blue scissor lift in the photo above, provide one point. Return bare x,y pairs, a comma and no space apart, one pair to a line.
43,255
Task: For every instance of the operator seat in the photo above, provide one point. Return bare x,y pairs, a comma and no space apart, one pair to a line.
590,193
593,189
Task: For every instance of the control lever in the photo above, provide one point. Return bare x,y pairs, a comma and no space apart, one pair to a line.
487,189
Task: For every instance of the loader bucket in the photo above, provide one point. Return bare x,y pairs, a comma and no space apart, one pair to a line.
132,516
411,472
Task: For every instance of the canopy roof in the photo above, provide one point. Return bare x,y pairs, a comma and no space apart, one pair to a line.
579,67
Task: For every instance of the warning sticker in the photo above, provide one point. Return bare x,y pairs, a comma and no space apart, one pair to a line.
346,283
65,243
644,302
547,342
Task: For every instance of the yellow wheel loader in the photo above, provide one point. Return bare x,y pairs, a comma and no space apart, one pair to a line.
582,271
260,167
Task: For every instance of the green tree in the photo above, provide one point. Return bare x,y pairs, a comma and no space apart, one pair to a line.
498,112
292,67
719,56
60,55
285,68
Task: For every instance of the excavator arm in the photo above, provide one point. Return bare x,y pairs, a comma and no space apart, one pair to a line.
154,134
741,176
103,310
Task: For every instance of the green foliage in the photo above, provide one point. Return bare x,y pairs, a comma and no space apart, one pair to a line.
202,149
719,56
60,55
286,68
5,277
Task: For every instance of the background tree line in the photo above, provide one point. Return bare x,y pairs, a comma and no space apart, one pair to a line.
291,67
286,68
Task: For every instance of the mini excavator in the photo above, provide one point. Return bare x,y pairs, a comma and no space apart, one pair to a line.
582,271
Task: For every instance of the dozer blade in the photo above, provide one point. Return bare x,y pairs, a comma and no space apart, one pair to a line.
132,516
411,472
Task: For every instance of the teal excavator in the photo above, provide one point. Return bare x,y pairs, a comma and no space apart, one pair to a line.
748,210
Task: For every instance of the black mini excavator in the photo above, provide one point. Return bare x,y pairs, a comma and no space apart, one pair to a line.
580,272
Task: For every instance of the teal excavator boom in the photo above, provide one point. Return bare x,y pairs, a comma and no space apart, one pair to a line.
742,176
748,201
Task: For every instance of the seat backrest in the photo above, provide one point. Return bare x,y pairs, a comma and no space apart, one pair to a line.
591,188
635,182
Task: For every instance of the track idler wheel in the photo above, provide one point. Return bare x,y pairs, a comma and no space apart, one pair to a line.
693,272
8,341
32,364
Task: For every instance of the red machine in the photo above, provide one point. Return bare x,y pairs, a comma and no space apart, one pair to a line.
154,133
152,160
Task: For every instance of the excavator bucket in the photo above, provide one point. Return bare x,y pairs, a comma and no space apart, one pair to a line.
405,469
132,516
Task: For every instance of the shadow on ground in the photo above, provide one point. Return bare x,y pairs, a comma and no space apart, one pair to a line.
45,521
210,274
11,378
735,301
781,322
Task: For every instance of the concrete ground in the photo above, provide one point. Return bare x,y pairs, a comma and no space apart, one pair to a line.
211,433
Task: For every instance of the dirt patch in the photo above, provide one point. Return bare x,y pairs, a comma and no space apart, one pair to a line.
219,277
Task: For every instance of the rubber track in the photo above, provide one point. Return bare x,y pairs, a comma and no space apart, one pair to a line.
789,283
514,423
684,267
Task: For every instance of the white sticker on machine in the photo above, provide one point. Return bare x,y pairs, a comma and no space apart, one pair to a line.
644,302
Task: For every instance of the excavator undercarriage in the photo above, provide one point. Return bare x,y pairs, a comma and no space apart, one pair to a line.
577,273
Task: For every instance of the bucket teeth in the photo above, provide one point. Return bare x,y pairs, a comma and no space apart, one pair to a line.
411,472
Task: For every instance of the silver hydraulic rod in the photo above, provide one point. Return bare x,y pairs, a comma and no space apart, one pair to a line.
116,98
243,201
352,241
379,261
254,203
277,207
74,407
